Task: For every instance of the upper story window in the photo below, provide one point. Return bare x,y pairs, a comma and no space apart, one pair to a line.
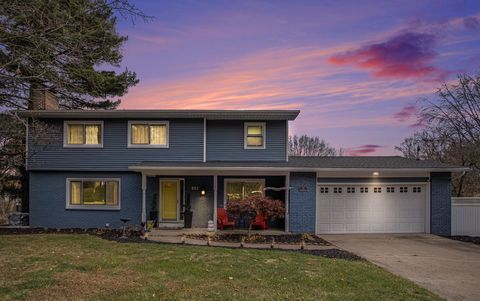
89,193
83,134
254,135
148,134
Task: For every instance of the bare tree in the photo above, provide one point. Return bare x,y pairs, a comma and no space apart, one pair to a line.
452,134
311,146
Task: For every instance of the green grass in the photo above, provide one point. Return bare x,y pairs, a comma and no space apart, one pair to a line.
79,267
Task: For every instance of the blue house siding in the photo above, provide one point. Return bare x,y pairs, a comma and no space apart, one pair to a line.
48,201
225,142
441,203
303,202
185,144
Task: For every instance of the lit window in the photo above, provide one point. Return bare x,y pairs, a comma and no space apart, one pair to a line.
350,189
390,189
93,193
323,189
363,189
254,135
238,189
148,134
377,189
83,134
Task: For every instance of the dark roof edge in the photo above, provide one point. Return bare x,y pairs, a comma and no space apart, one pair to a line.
209,114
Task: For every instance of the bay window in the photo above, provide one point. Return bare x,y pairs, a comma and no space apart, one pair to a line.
83,134
147,134
93,193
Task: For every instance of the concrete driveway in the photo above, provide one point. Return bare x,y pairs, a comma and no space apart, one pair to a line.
446,267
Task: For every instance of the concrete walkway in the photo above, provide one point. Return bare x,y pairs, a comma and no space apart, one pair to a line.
446,267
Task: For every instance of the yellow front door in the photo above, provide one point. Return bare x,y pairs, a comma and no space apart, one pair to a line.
169,200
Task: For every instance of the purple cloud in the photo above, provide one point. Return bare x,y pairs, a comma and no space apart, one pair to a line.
406,113
363,150
406,55
472,23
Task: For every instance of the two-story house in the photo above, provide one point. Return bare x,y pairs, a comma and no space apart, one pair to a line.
100,166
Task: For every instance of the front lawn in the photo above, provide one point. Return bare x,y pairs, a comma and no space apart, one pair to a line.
75,266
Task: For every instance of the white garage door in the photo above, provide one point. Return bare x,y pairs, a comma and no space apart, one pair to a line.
371,208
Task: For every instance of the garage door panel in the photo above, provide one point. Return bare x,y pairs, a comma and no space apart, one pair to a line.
371,212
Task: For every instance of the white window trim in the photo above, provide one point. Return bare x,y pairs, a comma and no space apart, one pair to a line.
235,180
66,123
129,136
264,132
92,207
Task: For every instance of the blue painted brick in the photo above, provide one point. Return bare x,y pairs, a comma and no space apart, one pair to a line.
302,203
441,205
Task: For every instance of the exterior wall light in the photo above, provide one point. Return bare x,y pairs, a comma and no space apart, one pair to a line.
376,173
203,191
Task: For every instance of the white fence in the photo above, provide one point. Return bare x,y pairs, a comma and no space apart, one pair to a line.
466,216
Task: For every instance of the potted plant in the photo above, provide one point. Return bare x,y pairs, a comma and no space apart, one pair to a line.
187,213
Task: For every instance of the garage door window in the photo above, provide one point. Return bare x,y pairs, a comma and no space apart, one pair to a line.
363,189
390,189
323,189
377,189
403,189
417,189
337,189
350,189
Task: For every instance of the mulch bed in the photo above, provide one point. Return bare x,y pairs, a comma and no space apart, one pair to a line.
110,234
471,239
309,239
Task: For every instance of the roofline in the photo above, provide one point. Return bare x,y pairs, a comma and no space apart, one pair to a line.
291,169
208,114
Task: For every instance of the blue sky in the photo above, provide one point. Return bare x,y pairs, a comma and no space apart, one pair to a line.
356,69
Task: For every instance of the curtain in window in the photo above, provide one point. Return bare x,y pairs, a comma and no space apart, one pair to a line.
158,134
75,193
139,134
112,193
254,135
92,134
75,134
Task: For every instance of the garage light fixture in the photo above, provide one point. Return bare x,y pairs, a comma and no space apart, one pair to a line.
376,173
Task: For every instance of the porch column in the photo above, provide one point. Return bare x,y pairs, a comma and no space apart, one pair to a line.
287,201
215,201
144,196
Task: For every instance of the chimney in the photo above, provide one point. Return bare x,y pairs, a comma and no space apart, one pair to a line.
41,98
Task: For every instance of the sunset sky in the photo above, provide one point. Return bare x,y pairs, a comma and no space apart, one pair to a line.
356,69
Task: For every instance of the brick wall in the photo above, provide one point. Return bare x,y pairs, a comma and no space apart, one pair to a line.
441,205
302,201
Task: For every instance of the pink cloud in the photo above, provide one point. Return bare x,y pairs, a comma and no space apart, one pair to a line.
405,55
406,113
363,150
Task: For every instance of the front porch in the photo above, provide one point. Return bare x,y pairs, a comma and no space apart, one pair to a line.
188,201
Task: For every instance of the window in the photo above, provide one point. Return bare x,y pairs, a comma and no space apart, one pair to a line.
148,134
239,189
363,189
377,189
390,189
403,189
417,189
254,135
93,193
337,189
350,189
323,189
83,134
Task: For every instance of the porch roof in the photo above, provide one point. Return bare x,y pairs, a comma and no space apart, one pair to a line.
294,163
